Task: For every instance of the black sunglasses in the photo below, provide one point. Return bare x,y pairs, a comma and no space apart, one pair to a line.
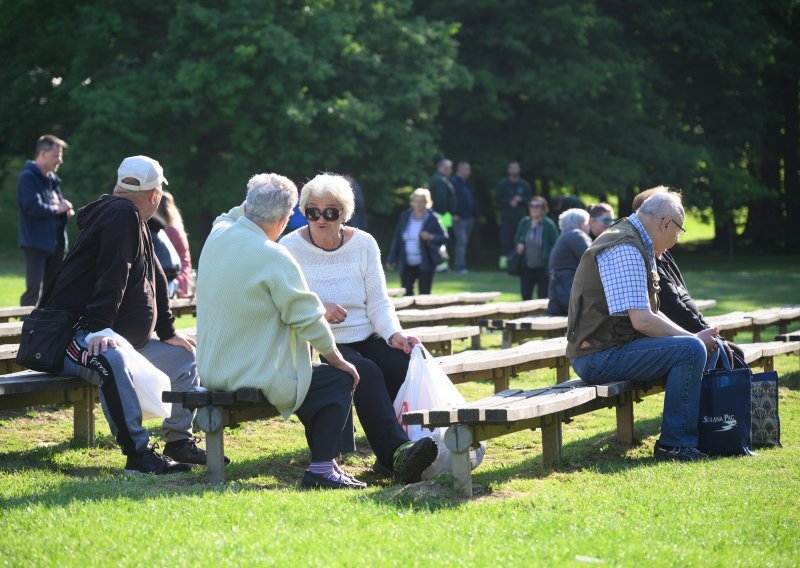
329,213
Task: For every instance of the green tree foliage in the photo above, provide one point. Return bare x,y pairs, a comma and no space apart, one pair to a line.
599,98
220,90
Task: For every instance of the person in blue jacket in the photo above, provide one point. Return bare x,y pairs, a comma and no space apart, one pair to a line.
43,215
417,243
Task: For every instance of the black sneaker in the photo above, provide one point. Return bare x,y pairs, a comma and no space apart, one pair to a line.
186,451
412,458
150,462
671,453
318,481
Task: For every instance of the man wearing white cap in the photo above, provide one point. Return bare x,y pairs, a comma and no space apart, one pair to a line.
113,283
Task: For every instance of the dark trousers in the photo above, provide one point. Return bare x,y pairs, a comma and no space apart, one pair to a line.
508,227
382,370
531,277
326,413
40,267
410,274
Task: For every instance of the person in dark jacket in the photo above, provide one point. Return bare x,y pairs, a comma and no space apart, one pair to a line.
536,236
417,240
512,196
113,282
43,215
564,258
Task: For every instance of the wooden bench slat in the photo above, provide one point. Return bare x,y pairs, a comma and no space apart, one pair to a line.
32,381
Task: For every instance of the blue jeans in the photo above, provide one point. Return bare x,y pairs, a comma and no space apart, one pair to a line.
681,359
462,230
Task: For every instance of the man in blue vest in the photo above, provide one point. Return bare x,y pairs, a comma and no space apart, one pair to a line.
43,215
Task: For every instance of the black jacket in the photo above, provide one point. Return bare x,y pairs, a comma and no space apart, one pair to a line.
40,227
430,249
674,299
111,275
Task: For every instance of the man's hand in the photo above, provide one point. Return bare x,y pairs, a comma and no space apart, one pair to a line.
63,206
179,340
520,248
515,200
336,360
390,266
403,342
334,313
708,337
100,344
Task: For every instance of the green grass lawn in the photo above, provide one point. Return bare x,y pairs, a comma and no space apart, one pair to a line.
605,503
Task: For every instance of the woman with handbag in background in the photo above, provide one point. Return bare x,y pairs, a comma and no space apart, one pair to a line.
417,243
342,266
536,236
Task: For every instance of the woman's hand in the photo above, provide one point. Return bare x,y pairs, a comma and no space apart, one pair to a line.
520,248
334,313
405,343
180,340
336,360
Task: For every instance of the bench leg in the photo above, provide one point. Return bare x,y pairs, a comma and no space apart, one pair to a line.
447,347
83,419
458,439
562,370
769,364
757,334
625,418
501,382
476,341
507,339
551,439
209,419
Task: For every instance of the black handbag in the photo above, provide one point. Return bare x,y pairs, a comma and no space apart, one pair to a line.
44,339
45,335
514,263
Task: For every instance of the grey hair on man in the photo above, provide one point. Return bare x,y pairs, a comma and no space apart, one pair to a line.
270,198
572,219
663,204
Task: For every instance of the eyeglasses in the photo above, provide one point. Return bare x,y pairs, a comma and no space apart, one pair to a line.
681,230
604,220
535,205
329,213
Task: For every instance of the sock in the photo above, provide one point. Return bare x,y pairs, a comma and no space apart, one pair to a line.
327,469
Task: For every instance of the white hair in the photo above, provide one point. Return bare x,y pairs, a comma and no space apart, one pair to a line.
335,186
270,198
572,219
663,204
424,192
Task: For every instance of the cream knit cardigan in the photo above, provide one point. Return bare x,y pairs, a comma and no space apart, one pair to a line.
256,315
352,277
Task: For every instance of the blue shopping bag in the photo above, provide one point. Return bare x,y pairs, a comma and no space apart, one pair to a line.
725,411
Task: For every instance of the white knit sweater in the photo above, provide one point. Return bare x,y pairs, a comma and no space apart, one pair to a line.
351,277
256,315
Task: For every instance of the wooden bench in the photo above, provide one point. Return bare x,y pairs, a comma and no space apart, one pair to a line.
14,312
517,330
394,292
501,365
793,336
548,408
217,410
429,301
29,388
470,314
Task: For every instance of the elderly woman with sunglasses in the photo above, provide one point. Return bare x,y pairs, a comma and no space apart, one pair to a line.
536,236
343,267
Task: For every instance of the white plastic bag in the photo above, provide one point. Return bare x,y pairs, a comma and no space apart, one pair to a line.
148,380
427,386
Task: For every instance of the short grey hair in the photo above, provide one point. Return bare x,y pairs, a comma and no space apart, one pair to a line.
572,219
662,204
270,198
335,186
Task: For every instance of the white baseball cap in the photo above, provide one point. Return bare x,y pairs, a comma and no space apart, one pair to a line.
146,170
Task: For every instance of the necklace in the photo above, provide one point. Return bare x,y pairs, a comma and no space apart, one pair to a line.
337,247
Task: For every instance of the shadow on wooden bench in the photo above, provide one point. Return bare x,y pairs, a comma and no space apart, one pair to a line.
217,410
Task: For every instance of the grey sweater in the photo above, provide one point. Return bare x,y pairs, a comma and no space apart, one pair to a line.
567,251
